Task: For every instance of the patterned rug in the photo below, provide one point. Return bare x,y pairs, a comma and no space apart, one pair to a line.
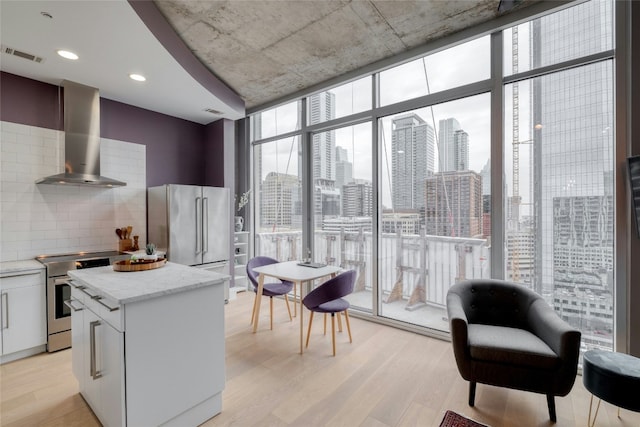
452,419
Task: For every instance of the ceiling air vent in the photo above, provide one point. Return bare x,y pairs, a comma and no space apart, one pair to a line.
212,111
21,54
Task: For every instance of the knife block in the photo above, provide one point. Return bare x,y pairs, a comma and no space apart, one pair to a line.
124,245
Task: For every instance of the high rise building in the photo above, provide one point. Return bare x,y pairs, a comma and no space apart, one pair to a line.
342,154
453,144
583,260
412,160
357,199
344,168
572,117
520,255
486,214
571,122
455,204
486,178
326,195
321,109
326,201
277,204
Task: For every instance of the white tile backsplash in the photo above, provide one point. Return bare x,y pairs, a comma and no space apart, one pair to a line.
52,219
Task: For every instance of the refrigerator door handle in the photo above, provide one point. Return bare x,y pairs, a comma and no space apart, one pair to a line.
205,227
198,228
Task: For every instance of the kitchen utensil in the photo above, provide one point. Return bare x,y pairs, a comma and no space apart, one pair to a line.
124,232
119,233
129,228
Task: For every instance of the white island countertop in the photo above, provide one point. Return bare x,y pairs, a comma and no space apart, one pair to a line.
128,287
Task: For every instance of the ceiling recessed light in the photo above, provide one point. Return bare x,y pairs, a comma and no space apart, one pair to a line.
137,77
68,55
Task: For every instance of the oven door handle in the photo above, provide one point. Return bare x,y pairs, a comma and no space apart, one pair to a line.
69,303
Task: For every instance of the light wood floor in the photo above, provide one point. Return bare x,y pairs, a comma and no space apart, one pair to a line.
387,377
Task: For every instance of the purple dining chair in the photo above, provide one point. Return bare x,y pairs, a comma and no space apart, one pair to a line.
327,298
269,289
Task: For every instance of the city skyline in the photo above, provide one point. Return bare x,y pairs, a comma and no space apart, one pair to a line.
356,96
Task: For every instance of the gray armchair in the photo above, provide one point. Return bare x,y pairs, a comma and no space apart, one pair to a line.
506,335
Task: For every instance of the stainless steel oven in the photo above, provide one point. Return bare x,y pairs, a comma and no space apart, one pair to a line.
59,290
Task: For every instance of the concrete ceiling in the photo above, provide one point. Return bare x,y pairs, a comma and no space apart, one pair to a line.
262,50
265,50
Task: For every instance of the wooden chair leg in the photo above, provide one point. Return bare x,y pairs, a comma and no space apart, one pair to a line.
271,313
325,323
346,318
309,329
286,300
253,310
339,322
333,333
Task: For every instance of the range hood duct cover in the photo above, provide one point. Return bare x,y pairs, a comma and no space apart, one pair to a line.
82,139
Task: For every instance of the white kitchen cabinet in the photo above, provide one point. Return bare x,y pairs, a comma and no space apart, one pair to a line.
106,372
160,355
22,314
241,257
97,356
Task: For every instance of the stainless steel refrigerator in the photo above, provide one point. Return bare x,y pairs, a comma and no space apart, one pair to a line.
192,224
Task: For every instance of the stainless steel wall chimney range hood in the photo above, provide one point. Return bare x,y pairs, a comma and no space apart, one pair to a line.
82,139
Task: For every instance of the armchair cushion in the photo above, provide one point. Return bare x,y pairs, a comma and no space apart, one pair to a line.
500,344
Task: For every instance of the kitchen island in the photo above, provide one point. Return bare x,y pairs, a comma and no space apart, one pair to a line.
148,346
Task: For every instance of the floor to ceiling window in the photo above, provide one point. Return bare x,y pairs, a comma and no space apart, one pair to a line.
560,162
343,204
399,174
435,207
277,182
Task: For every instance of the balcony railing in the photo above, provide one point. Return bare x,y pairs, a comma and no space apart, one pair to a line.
416,269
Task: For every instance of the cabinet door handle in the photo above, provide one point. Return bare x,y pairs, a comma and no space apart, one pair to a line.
86,292
98,299
69,303
5,311
76,285
92,349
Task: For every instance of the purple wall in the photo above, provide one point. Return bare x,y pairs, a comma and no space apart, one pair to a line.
175,147
178,151
29,102
214,153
